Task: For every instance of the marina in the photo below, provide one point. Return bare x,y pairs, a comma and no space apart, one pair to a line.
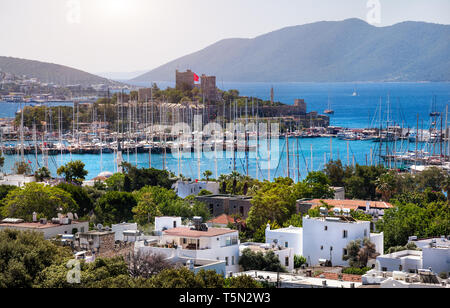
147,138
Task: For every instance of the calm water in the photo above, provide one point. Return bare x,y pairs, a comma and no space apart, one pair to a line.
407,100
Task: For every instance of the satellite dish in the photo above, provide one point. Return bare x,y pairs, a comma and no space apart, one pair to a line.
100,227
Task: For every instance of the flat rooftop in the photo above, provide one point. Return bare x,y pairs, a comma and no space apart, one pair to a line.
437,242
288,230
301,281
187,232
36,225
348,204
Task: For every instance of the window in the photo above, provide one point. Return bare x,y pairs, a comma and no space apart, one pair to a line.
384,269
326,228
365,233
226,261
241,210
286,244
174,224
344,253
345,234
321,247
184,241
286,261
400,268
232,260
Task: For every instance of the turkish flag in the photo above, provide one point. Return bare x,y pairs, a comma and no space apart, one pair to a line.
196,78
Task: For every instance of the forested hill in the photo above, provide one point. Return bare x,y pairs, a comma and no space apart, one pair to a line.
342,51
50,73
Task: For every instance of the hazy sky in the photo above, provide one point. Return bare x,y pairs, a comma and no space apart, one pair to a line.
131,35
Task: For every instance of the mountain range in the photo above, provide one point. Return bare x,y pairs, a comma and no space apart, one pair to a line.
330,51
50,73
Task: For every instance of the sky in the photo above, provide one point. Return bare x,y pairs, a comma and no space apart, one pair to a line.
138,35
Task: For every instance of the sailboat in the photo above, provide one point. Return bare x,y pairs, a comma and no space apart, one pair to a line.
355,93
329,110
433,112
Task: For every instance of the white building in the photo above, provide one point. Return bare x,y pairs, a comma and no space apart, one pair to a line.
18,180
293,281
49,230
435,254
166,223
393,280
126,232
325,239
291,237
409,261
196,243
187,188
285,255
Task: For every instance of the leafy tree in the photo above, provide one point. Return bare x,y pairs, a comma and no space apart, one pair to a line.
272,202
296,220
242,282
140,178
102,273
360,181
205,192
42,174
73,171
24,255
430,178
259,261
423,221
146,209
80,196
299,261
335,173
115,207
259,235
46,201
316,185
116,182
5,189
183,278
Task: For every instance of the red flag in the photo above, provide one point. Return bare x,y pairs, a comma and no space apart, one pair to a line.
196,78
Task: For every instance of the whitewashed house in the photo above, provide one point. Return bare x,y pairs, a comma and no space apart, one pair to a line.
434,256
196,242
291,237
325,238
166,223
189,188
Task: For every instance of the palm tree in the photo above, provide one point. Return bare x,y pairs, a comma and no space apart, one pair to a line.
446,187
207,174
386,186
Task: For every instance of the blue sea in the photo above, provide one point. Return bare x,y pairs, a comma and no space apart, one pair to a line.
402,102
